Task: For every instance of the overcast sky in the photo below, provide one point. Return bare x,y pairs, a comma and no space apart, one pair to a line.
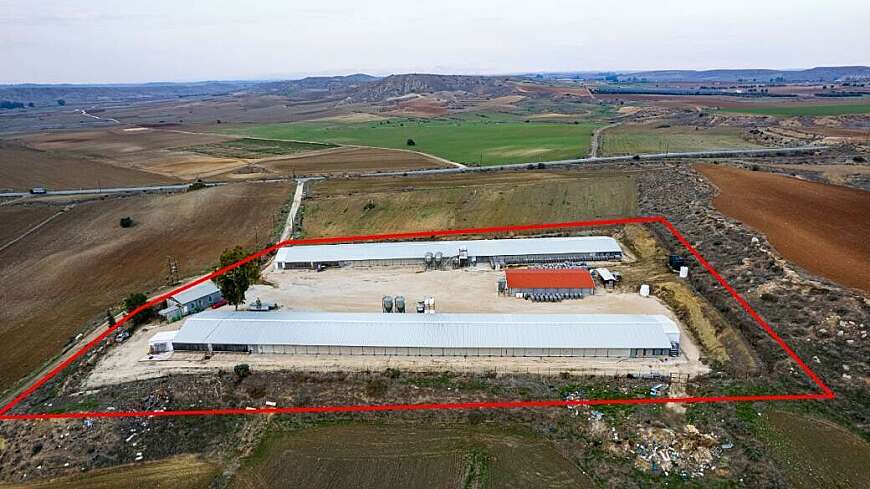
79,41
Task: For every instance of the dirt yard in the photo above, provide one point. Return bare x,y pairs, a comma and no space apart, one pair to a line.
81,263
361,290
823,228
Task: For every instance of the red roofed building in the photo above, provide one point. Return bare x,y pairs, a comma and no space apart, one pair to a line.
549,281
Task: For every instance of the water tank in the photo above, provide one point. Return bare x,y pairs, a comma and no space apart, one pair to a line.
399,304
684,272
438,257
388,304
644,290
428,258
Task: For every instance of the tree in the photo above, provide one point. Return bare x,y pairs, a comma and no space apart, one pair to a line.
411,142
126,222
61,102
110,318
234,283
30,104
242,370
133,302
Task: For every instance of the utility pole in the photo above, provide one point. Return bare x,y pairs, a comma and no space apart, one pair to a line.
172,278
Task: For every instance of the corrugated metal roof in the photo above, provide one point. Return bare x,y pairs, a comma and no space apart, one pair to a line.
427,330
605,274
571,278
196,292
418,249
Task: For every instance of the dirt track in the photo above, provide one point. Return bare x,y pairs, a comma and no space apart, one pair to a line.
821,227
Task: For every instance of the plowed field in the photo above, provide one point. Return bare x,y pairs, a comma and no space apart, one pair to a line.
823,228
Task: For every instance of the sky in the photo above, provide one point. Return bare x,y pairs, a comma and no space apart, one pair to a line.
125,41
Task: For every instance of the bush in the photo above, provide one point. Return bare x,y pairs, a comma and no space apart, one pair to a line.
410,142
197,185
859,159
376,388
635,157
126,222
392,373
133,302
242,370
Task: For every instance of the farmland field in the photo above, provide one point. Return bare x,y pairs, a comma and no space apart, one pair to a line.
347,160
818,226
464,140
816,453
22,167
785,110
182,472
255,148
19,219
373,456
634,139
83,262
341,208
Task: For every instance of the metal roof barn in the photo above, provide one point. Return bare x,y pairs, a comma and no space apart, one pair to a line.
413,250
426,334
196,292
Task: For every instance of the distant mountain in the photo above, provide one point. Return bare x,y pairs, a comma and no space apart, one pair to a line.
819,74
400,85
330,83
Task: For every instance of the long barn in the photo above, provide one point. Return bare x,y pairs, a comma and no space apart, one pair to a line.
441,254
448,335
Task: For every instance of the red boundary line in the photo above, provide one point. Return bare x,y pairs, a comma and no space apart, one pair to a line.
827,393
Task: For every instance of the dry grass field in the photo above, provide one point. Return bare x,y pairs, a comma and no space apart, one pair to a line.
815,452
638,138
823,228
349,160
182,472
382,205
22,167
373,456
83,262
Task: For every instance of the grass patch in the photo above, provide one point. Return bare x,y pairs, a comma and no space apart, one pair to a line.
472,139
800,110
634,139
815,453
249,148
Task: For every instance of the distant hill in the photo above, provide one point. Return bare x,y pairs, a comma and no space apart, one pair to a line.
331,83
400,85
819,74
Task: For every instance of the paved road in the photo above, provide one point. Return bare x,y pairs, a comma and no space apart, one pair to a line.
461,169
608,159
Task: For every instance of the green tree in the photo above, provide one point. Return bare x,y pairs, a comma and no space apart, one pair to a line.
234,283
132,302
61,102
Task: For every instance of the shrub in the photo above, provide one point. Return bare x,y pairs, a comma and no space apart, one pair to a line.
411,142
376,388
859,159
392,373
242,370
126,222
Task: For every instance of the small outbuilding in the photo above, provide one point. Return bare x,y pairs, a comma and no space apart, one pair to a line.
567,281
193,300
161,342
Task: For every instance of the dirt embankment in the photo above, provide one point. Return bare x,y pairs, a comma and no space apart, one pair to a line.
822,228
83,262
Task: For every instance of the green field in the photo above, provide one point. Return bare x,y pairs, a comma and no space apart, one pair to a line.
374,456
634,139
799,110
471,140
815,453
255,148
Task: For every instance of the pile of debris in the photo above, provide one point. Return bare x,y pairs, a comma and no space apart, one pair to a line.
689,453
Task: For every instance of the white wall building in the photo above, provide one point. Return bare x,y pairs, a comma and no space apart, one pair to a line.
501,335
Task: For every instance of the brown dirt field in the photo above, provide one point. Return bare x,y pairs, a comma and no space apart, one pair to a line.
22,168
83,262
425,106
823,228
117,142
182,472
18,219
349,160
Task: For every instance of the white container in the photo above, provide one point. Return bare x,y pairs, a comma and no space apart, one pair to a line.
684,272
644,290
